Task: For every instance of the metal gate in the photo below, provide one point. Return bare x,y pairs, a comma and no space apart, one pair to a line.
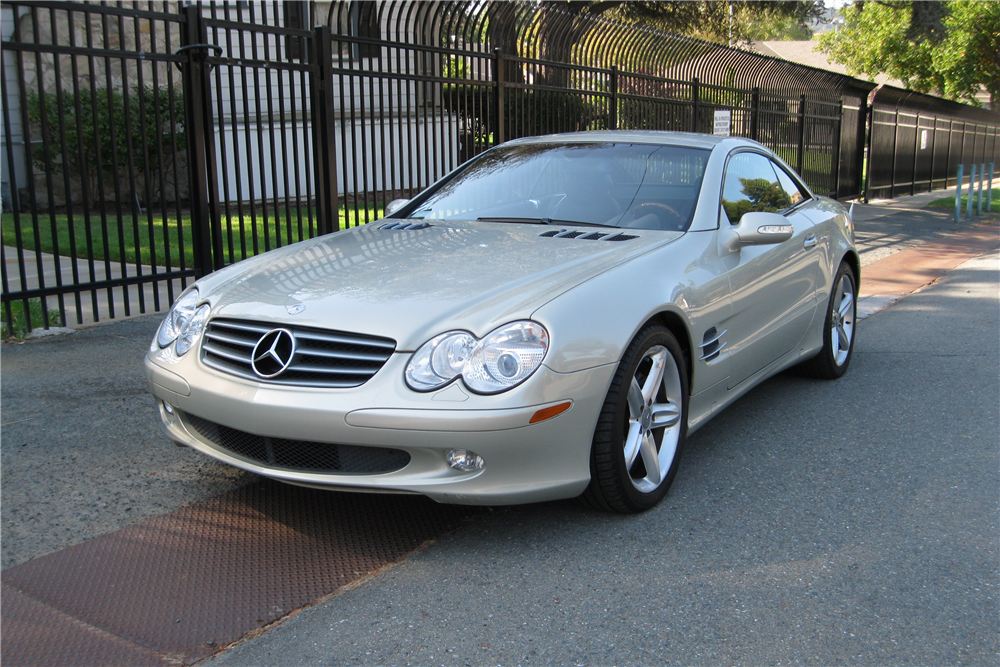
148,144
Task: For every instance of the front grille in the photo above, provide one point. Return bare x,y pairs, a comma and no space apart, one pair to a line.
331,359
299,455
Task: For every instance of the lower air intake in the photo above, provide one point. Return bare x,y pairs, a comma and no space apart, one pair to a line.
299,455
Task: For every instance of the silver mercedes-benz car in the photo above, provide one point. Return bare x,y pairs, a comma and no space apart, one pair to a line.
550,320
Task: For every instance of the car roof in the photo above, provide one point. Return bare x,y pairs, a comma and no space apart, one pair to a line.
690,139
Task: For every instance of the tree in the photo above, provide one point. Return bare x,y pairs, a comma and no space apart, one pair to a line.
735,22
949,48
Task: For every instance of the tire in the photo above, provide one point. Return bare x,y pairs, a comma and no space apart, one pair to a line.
643,423
838,329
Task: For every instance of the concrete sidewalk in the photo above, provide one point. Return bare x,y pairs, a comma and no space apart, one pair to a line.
101,306
884,227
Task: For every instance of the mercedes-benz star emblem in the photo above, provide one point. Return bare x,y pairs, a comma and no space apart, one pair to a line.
273,353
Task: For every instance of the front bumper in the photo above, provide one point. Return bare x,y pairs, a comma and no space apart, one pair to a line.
523,462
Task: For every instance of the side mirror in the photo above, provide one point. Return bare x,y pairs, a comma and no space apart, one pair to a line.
760,228
394,206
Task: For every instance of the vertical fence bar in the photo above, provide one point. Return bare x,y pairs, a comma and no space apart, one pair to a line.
499,75
324,131
864,150
916,153
613,110
930,186
958,196
755,113
199,130
695,95
835,149
800,160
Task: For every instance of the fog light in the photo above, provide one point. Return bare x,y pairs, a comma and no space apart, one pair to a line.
169,415
464,460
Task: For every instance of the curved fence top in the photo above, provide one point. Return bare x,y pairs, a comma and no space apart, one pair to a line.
553,34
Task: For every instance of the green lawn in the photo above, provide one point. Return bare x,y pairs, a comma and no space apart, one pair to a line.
949,202
150,245
19,321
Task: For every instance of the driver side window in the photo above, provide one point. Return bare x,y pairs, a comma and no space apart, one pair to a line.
752,185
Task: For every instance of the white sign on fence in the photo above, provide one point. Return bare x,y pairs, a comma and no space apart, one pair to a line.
723,122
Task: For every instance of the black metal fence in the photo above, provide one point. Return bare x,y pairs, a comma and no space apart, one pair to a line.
918,141
147,144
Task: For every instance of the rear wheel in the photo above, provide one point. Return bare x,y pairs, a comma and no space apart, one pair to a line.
838,329
642,427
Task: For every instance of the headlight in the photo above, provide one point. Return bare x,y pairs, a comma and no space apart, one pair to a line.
184,323
505,358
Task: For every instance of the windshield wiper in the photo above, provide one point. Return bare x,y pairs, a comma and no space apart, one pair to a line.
526,221
543,221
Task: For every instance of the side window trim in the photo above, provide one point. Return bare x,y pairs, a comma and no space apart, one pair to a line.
725,175
807,195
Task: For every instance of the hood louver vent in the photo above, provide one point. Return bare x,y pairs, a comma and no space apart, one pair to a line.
584,236
405,226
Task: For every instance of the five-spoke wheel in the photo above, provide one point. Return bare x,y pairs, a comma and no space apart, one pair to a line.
640,432
838,331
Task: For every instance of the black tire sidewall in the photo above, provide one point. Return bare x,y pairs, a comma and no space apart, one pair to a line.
647,339
837,370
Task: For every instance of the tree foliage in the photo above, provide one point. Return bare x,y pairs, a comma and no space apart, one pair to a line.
103,133
948,48
710,21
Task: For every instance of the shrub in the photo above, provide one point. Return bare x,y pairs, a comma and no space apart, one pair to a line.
102,128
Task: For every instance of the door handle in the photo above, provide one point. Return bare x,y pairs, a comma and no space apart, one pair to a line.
810,242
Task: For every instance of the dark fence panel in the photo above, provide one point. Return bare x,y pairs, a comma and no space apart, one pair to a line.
94,135
918,141
231,128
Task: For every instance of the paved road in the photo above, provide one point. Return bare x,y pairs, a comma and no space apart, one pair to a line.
850,522
807,513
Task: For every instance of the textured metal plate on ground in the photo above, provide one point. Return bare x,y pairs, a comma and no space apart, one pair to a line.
175,588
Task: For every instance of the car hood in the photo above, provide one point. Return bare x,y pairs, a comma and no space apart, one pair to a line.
410,285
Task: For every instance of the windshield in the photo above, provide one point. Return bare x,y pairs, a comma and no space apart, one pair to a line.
637,186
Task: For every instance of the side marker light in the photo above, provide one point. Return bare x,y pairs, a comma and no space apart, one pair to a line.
550,412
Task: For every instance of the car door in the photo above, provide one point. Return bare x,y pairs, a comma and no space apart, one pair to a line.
773,286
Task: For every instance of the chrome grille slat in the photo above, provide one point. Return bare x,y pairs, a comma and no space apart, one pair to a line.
348,340
353,356
232,340
330,359
227,354
345,370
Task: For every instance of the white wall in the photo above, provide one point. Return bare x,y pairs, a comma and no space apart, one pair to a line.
416,162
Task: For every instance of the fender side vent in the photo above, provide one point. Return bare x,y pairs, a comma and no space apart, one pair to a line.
712,344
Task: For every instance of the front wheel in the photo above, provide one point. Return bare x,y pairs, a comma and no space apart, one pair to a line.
641,430
838,329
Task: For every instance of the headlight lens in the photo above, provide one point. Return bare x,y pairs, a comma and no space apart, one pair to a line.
505,358
184,323
194,329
